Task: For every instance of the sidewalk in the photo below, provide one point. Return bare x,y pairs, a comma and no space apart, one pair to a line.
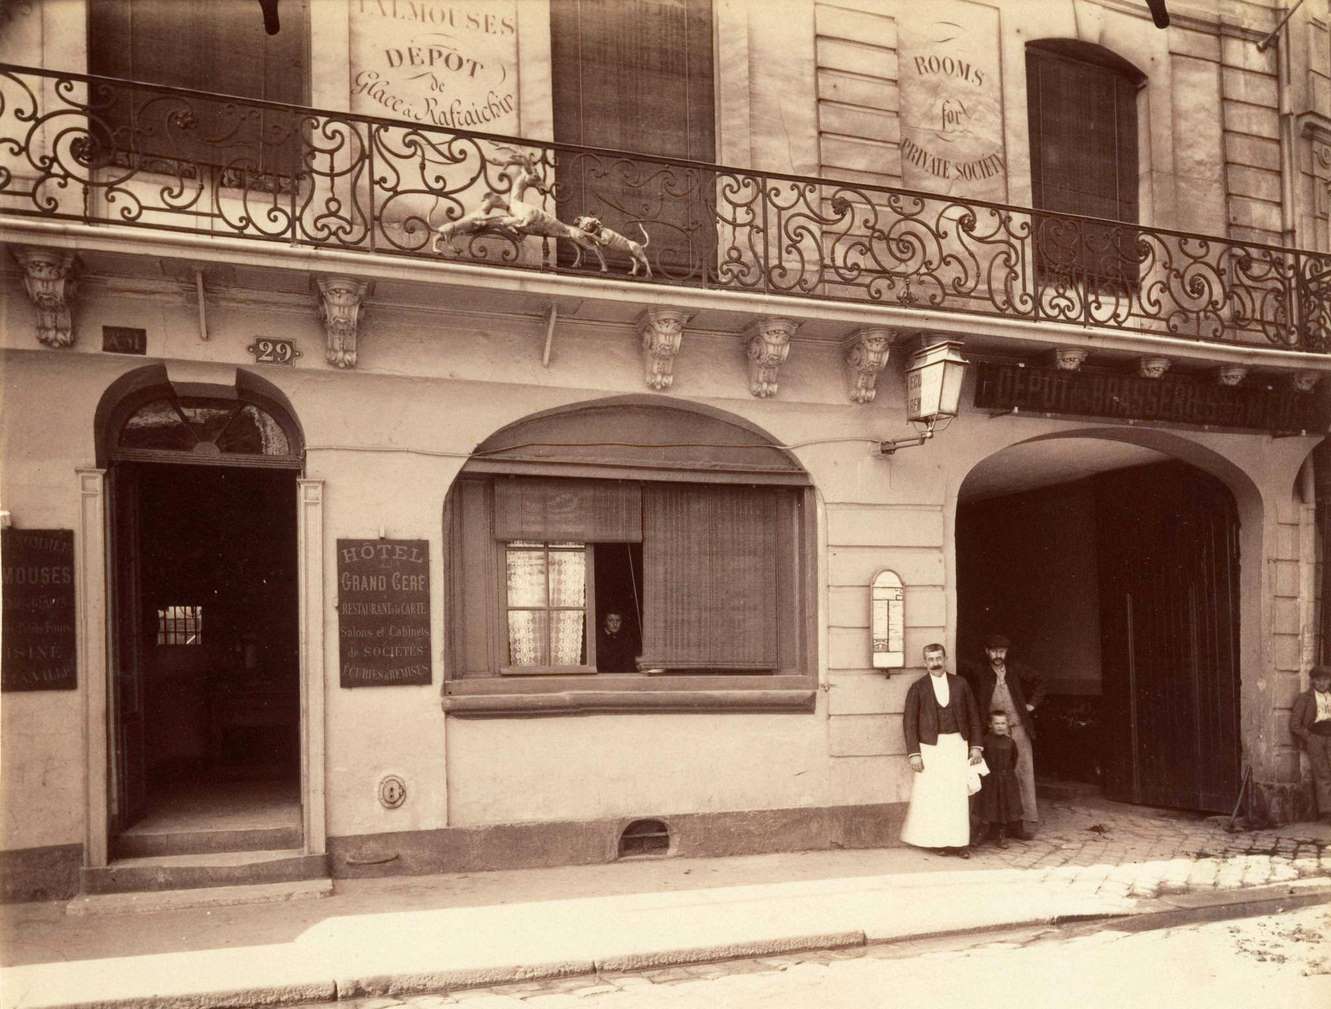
450,931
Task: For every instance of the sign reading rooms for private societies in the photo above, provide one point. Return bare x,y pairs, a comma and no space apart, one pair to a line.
38,631
383,612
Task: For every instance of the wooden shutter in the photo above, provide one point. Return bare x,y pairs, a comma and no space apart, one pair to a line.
637,76
473,590
710,593
1083,130
219,47
581,511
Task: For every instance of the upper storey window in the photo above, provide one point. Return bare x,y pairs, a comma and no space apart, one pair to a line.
219,47
637,76
1082,103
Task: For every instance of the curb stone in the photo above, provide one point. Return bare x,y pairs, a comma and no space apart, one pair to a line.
1159,912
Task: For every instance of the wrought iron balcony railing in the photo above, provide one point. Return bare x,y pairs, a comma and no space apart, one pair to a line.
105,151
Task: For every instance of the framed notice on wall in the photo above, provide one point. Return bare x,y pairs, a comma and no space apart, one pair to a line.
383,612
38,632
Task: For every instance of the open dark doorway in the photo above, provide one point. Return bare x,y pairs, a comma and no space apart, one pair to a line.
1122,589
208,696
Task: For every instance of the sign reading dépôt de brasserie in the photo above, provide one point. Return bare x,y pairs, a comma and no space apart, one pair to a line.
383,612
1171,399
436,63
38,598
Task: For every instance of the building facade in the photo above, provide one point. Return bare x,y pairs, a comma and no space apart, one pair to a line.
331,438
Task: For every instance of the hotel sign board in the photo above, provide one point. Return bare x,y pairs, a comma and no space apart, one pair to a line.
38,646
1170,399
383,612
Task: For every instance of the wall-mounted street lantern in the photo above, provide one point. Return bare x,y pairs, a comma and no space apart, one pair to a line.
933,391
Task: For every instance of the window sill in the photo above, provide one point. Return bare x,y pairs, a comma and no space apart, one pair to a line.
629,694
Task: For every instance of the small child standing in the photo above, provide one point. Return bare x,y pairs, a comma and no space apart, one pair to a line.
998,804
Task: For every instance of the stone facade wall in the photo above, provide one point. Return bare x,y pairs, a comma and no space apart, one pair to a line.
859,128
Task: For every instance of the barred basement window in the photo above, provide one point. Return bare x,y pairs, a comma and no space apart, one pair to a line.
180,625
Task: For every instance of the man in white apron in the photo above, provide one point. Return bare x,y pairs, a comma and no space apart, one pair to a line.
943,734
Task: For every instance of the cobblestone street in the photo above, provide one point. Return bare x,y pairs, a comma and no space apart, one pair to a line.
1112,849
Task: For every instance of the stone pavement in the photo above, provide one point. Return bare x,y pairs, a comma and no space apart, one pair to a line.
1109,848
584,924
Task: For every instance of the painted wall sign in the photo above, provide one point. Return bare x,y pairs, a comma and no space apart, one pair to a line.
436,63
38,646
952,101
383,612
124,340
1178,400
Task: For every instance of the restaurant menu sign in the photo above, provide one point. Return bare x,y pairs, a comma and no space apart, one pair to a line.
1179,400
38,598
383,612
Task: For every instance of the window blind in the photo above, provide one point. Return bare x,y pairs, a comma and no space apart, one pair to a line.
709,577
1083,131
637,76
219,47
579,511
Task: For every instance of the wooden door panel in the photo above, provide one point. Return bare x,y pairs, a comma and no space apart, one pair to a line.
1169,600
129,772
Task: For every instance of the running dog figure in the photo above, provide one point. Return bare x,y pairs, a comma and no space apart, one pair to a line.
605,238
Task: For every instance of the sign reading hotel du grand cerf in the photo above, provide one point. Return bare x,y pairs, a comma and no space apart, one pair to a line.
383,612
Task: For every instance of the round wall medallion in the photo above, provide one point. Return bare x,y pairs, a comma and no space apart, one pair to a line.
392,791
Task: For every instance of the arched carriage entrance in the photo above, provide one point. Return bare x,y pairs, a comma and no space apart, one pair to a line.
205,685
1114,569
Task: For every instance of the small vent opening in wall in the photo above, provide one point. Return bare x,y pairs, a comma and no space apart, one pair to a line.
644,837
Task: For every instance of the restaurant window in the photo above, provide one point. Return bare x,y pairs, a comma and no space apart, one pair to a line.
1082,114
553,528
218,47
637,76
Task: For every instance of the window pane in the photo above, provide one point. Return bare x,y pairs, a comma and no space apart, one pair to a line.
207,421
156,425
527,638
526,577
254,432
567,647
568,578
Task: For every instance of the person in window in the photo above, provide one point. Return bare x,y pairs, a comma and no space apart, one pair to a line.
616,651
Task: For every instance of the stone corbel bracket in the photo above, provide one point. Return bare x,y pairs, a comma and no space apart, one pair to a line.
340,301
768,346
867,351
48,279
661,332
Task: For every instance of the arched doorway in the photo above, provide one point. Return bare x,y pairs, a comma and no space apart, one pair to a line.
1114,570
205,688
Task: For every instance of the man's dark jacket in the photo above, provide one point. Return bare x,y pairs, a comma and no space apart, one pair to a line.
1301,717
921,715
983,680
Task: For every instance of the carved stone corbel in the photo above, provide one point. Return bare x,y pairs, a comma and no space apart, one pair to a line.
1070,358
867,351
1304,381
48,279
1152,366
340,300
768,346
1231,374
661,331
